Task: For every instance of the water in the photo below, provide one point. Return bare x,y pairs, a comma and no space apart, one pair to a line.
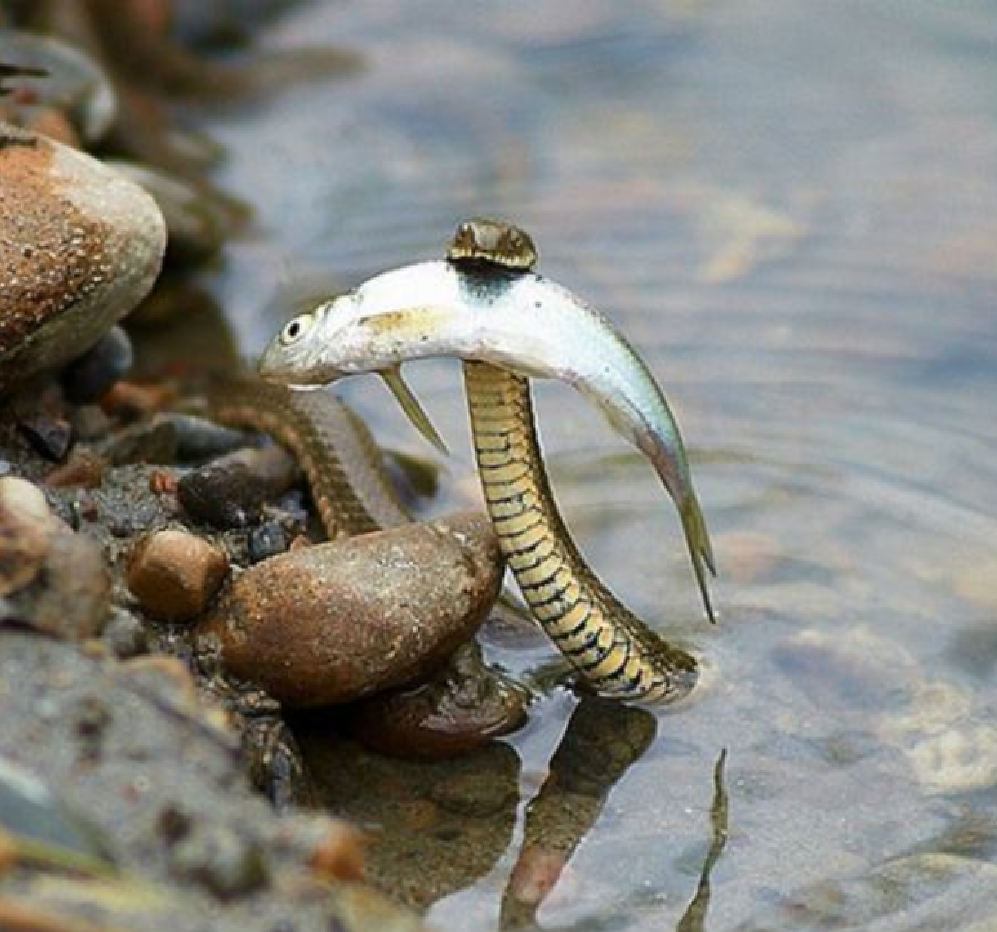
790,209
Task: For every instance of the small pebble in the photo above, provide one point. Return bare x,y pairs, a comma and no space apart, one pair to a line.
84,470
329,623
265,541
125,634
24,536
49,435
231,491
23,500
89,376
175,574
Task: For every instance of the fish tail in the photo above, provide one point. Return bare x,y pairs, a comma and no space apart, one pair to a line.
697,539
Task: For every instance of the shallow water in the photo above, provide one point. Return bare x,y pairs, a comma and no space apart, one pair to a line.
790,209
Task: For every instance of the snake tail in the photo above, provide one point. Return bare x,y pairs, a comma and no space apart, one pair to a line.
611,649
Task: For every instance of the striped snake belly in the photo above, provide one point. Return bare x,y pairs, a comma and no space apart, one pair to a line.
608,645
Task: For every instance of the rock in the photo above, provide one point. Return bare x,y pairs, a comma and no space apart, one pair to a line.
196,227
231,491
24,537
89,376
166,783
266,541
150,441
50,435
83,470
463,706
56,580
175,574
73,85
329,623
79,247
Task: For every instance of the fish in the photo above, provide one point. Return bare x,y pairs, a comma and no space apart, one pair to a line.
517,319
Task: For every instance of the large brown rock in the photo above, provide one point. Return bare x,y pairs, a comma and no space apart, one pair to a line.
329,623
80,246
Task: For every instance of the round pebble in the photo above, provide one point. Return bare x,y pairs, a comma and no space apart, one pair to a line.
79,247
329,623
266,541
175,574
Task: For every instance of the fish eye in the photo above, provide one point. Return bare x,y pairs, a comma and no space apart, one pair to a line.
296,328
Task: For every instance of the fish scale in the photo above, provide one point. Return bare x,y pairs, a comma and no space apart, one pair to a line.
609,646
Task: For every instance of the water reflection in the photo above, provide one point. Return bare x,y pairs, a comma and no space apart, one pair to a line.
602,740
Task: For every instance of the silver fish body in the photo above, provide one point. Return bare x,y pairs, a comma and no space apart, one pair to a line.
517,320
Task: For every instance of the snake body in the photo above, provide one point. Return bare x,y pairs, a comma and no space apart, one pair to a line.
612,649
339,456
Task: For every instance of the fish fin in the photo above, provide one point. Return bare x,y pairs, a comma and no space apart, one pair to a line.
697,539
411,406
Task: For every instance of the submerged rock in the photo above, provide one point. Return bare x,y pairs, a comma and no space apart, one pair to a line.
330,623
463,706
79,247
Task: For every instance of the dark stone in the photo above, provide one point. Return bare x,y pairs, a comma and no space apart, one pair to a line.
266,541
50,436
89,376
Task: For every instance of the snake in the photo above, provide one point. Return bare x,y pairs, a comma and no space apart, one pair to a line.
487,306
612,649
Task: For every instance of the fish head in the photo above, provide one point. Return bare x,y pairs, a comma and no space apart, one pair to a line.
323,344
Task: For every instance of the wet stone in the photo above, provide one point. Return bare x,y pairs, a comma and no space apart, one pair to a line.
266,541
89,376
463,706
152,441
199,439
175,574
231,491
79,247
327,624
